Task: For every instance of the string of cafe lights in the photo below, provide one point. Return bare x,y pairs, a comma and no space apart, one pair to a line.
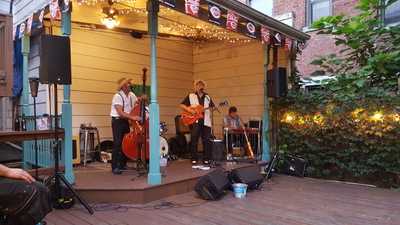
199,33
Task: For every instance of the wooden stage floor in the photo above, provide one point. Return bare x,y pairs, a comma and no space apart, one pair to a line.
96,183
282,201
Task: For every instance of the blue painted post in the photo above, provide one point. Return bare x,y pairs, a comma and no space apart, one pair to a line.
265,129
25,90
154,176
66,120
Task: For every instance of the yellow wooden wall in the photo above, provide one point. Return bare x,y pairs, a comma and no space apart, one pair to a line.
100,58
234,72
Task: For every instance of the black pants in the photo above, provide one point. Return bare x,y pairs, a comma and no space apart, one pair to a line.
120,127
199,130
23,203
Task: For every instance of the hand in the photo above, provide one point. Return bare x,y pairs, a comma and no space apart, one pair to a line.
19,174
137,118
192,111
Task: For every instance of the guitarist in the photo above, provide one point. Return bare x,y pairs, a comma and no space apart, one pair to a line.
202,127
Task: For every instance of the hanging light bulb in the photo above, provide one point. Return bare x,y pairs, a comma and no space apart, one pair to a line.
110,22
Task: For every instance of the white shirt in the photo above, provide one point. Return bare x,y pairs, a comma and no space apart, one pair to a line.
126,101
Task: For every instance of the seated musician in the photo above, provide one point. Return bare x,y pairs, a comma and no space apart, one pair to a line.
202,127
22,199
122,104
232,121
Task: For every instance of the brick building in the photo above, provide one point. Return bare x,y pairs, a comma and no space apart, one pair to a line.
300,14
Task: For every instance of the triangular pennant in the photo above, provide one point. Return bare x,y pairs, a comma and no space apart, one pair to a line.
22,27
29,25
265,35
232,20
54,7
192,7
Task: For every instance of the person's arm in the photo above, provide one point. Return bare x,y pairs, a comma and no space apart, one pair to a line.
17,174
123,114
118,105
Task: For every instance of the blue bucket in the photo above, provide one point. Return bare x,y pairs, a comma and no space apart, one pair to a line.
239,189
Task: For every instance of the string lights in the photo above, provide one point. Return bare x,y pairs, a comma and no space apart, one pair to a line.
199,32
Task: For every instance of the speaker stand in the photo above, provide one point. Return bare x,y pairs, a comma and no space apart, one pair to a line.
58,177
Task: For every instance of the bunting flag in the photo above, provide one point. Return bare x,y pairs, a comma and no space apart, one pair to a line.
14,32
55,12
214,14
265,35
278,39
41,16
301,46
192,7
21,30
232,20
288,44
170,3
29,25
251,29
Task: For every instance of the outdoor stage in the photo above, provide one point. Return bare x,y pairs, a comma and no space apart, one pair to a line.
97,184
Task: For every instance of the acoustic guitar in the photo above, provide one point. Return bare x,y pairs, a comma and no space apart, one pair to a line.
189,118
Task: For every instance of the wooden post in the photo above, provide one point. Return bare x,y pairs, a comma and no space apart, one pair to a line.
154,176
266,120
66,120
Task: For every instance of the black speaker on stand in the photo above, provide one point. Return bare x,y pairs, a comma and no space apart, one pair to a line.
55,68
277,82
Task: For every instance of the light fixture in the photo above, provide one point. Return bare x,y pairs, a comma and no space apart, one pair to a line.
110,19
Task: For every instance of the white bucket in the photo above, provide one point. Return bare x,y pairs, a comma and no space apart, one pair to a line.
239,189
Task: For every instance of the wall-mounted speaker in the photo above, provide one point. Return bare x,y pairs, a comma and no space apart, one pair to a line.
55,60
277,82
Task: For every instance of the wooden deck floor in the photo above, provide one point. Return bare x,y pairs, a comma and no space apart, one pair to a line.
282,201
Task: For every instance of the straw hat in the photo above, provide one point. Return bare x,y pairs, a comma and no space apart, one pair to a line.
121,82
199,81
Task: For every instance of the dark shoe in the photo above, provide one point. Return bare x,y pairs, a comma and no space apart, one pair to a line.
116,171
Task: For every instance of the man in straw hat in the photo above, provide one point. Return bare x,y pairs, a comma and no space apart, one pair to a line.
122,104
202,127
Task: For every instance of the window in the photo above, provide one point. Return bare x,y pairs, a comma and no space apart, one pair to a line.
392,14
318,9
5,55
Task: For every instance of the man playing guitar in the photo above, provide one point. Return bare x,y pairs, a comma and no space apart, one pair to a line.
201,127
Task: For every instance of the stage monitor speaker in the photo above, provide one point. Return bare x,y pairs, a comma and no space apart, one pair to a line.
213,185
250,175
277,83
218,151
294,166
55,60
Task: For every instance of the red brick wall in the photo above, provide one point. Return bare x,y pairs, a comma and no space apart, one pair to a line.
318,45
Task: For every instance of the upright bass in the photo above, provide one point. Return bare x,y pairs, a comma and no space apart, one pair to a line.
135,144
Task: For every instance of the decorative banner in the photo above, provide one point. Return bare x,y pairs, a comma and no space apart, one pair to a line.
55,13
14,32
232,20
265,35
192,7
251,29
278,39
170,3
41,16
288,44
301,46
214,14
29,25
21,30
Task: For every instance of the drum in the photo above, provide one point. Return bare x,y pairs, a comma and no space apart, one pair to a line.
163,128
163,147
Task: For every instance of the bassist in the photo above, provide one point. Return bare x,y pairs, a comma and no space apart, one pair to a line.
202,127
